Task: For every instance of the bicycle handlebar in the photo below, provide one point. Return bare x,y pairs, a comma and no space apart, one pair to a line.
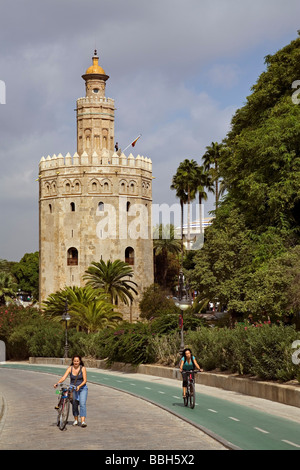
67,387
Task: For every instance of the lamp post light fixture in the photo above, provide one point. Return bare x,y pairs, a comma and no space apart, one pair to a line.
66,317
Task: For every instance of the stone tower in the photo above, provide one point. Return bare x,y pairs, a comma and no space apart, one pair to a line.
95,204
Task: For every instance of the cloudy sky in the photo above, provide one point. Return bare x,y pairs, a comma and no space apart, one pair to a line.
178,71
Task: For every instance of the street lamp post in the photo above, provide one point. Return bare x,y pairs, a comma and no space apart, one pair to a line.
66,317
183,302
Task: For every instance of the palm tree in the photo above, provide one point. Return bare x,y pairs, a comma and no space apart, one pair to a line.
211,163
55,304
95,315
185,178
111,278
164,243
89,308
178,186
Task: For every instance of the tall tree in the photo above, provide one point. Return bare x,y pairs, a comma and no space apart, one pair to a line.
248,259
179,186
186,177
261,164
26,271
211,160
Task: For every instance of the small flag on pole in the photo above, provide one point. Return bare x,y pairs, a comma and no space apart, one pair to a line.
133,142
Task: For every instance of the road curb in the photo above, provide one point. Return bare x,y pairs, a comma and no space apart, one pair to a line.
2,412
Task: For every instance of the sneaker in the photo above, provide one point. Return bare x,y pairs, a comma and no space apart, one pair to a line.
75,422
83,424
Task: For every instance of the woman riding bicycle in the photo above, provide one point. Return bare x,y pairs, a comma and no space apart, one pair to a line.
187,363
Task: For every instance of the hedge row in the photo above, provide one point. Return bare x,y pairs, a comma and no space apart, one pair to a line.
261,350
265,351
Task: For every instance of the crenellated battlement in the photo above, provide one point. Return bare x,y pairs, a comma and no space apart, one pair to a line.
104,159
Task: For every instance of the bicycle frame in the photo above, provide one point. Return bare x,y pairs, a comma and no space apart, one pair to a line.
64,405
190,396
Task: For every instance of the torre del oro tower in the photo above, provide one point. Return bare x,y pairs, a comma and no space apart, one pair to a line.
95,204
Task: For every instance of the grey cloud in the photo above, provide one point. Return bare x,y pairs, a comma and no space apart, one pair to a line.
151,50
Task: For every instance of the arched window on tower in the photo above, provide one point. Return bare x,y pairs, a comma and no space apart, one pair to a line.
72,257
129,255
50,208
101,206
72,206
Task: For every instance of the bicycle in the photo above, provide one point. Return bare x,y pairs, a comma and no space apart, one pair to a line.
190,395
63,407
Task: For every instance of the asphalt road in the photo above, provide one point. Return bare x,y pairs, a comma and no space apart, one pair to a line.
236,421
116,420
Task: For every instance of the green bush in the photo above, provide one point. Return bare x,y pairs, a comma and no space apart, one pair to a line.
260,350
165,348
271,349
13,315
209,347
155,302
95,344
130,343
43,338
168,323
39,338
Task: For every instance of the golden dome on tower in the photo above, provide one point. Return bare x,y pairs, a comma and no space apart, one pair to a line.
95,68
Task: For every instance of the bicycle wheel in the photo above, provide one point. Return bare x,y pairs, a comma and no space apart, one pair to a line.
59,405
63,414
192,395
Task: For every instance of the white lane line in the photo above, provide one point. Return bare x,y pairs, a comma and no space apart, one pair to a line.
213,411
233,419
163,393
174,396
262,430
148,388
120,381
133,384
291,443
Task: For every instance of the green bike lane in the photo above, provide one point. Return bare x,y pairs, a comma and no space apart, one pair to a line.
234,425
